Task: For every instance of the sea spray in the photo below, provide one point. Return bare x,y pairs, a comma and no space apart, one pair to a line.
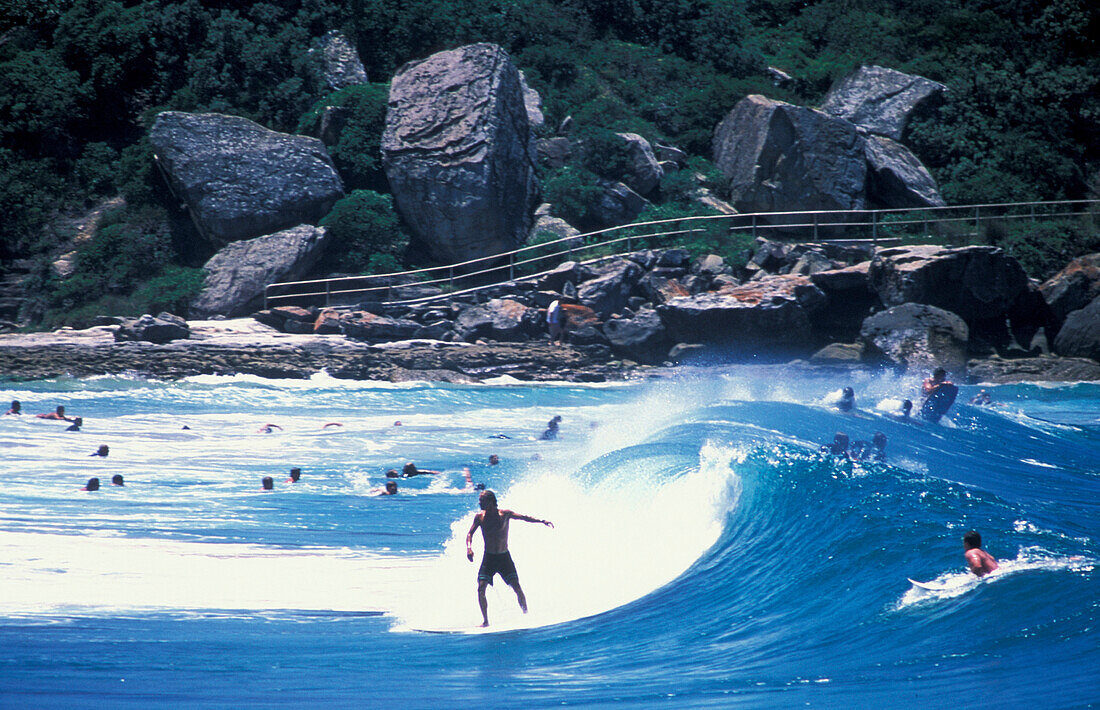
613,542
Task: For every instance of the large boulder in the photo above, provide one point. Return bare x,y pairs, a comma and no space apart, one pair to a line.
849,299
779,157
160,329
337,61
917,336
643,337
880,100
1080,334
610,288
897,178
771,312
1074,287
500,319
617,204
975,282
240,180
644,173
455,151
236,275
532,101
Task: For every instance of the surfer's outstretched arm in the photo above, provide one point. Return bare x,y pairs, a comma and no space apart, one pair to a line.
528,518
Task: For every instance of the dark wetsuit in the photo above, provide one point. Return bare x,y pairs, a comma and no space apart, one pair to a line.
494,563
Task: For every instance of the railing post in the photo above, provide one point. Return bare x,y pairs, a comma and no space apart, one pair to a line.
815,226
754,227
266,288
874,229
451,277
328,294
512,266
977,221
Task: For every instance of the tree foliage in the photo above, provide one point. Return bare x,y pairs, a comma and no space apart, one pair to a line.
80,81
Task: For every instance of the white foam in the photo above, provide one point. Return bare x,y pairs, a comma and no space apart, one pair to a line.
612,543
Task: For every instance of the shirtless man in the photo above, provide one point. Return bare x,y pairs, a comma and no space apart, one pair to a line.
496,560
57,414
981,562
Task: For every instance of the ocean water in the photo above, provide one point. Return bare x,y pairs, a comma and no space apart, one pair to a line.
704,553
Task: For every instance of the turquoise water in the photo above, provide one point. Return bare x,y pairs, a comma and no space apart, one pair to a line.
703,555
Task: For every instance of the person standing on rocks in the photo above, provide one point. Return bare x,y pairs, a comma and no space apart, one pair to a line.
555,321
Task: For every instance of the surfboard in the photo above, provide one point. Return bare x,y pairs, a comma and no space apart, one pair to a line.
939,402
928,586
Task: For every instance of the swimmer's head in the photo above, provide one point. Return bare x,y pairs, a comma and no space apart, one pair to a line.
93,484
16,405
409,469
391,487
972,539
295,474
939,373
103,450
397,423
116,480
487,499
493,459
879,440
392,473
849,392
61,410
268,483
907,405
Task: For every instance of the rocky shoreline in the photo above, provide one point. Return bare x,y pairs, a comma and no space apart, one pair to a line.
245,346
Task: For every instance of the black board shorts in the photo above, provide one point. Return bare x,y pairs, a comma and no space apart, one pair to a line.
494,563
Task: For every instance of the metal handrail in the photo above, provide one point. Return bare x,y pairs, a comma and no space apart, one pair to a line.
568,248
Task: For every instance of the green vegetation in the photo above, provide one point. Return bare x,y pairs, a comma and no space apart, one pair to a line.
80,81
365,234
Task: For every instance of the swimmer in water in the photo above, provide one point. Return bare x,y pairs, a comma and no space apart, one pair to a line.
295,474
92,485
268,428
496,559
551,429
16,407
847,400
839,447
75,426
102,451
57,414
409,470
981,399
493,459
267,483
389,489
980,562
116,480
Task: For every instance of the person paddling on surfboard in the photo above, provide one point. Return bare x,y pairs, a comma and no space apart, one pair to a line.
980,562
496,560
939,394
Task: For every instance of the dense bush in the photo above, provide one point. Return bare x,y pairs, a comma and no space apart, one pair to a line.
357,150
1044,248
365,234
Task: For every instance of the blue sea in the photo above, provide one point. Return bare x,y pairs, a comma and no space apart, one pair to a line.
703,554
